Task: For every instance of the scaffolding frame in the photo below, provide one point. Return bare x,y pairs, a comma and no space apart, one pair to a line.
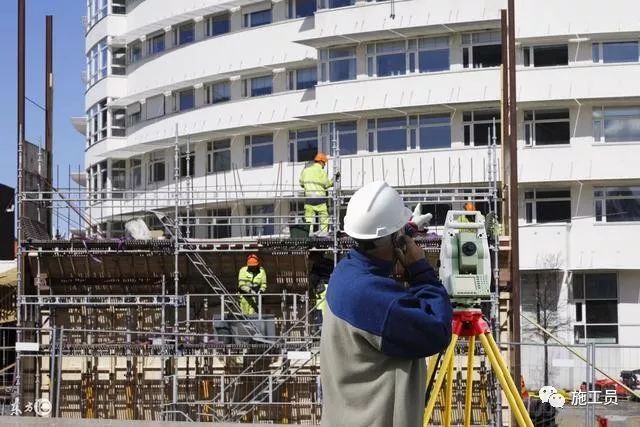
271,362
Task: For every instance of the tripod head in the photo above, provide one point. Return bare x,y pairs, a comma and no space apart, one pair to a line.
465,264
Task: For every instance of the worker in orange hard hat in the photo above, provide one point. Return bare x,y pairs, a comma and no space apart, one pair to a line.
315,182
252,281
469,206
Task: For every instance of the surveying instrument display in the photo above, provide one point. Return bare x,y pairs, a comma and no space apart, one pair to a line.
465,271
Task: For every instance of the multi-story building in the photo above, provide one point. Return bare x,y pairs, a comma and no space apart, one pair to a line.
253,88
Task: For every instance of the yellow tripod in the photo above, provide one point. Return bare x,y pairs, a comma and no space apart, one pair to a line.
470,323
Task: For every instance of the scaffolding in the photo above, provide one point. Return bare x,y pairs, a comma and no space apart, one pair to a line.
152,329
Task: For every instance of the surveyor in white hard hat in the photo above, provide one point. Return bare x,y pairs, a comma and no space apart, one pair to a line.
376,331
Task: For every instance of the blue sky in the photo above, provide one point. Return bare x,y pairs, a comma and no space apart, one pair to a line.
69,62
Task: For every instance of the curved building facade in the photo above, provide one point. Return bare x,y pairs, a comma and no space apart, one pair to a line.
251,90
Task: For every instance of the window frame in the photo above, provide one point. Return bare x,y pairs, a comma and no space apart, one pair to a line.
98,122
468,127
151,46
187,163
532,199
248,91
249,18
601,197
326,136
472,40
598,51
412,50
135,172
292,9
250,144
599,118
214,148
213,19
295,139
529,55
178,34
118,167
178,99
530,126
210,92
135,52
260,220
580,305
98,62
156,158
219,219
293,82
325,62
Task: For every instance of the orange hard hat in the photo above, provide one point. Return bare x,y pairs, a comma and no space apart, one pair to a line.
321,157
253,260
469,206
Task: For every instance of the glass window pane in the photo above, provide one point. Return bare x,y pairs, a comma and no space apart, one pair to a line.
222,161
261,86
553,194
306,78
262,155
342,69
392,122
620,52
391,64
548,56
305,8
553,211
186,34
392,140
552,114
602,334
262,17
601,285
433,60
487,56
552,133
578,286
340,3
622,129
598,311
218,25
221,92
307,149
342,52
187,100
435,137
595,52
619,210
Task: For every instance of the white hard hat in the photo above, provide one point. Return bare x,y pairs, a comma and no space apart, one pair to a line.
376,210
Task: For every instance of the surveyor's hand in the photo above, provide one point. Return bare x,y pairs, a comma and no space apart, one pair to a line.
419,220
411,251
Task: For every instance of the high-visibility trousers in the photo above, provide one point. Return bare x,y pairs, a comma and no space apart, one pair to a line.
322,211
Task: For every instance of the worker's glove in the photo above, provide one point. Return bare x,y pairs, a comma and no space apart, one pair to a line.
418,220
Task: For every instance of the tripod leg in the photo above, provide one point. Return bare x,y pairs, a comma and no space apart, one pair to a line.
512,386
503,383
448,394
469,389
448,356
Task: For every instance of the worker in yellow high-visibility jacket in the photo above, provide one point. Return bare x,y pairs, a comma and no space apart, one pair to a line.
315,182
252,281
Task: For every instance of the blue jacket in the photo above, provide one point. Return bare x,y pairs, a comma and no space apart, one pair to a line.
375,335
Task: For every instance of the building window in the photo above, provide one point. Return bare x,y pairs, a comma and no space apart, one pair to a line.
481,50
96,10
219,156
97,62
617,204
135,165
118,178
218,24
135,52
303,78
155,107
157,167
547,127
595,297
478,127
333,4
134,113
435,131
104,182
615,52
389,134
399,57
545,206
546,56
98,125
185,100
256,19
118,61
260,221
258,150
258,86
219,220
119,7
156,43
616,124
185,33
301,8
303,145
338,64
187,163
119,122
347,135
217,92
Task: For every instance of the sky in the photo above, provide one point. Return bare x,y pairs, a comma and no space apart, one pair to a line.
68,64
